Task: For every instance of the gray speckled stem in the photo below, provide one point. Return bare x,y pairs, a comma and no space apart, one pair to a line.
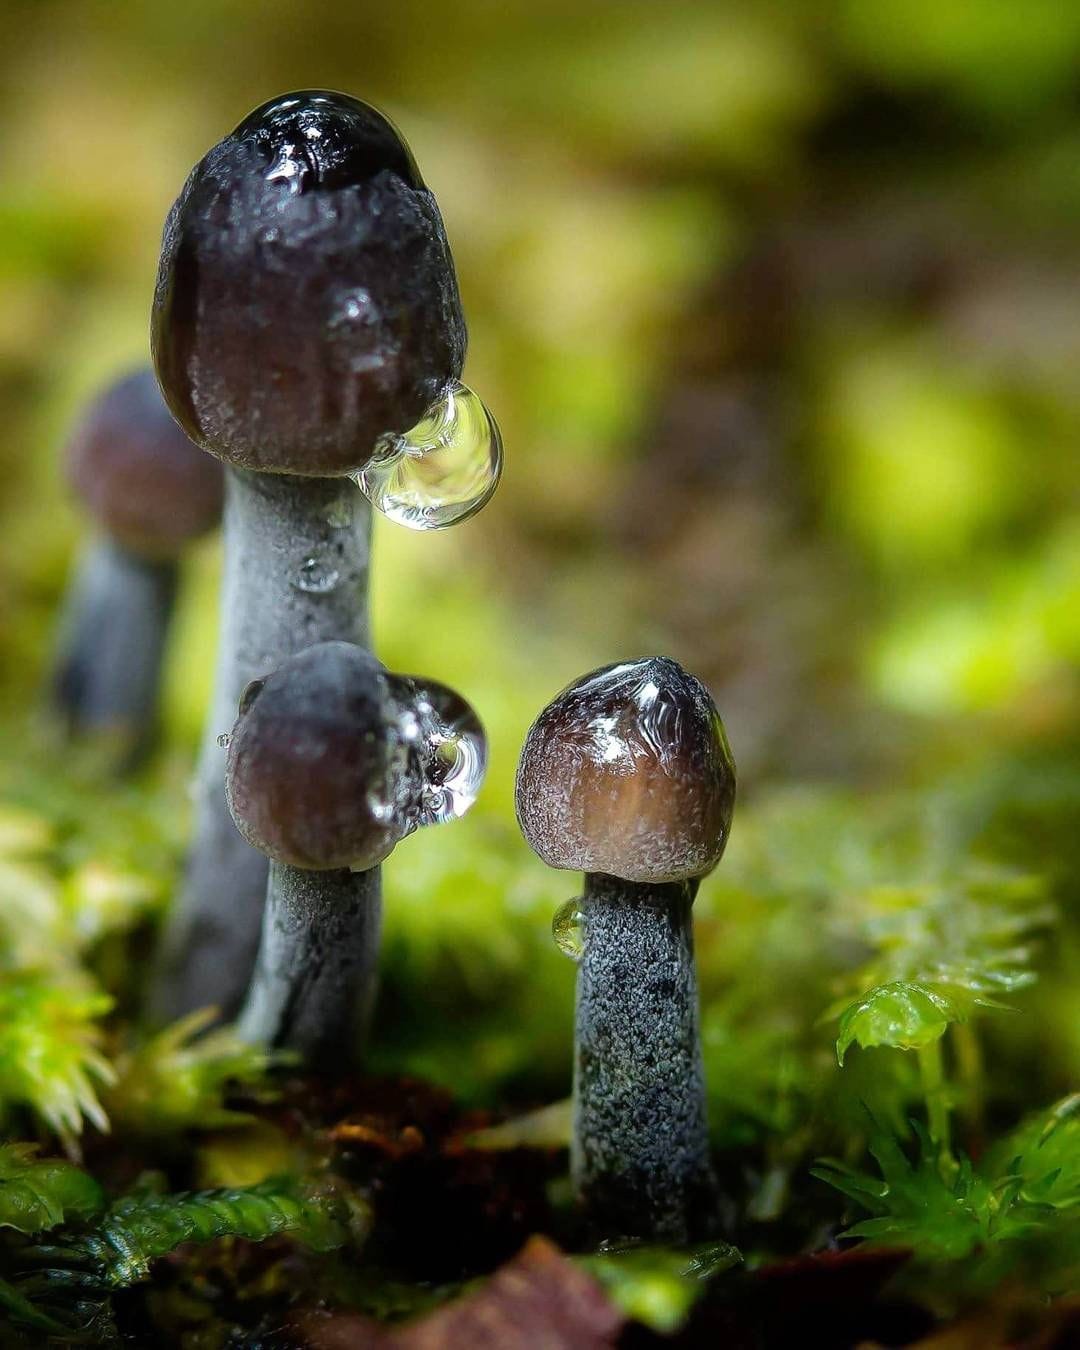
112,640
274,523
640,1151
314,981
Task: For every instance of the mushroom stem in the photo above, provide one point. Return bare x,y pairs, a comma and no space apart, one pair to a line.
296,571
314,981
640,1152
112,642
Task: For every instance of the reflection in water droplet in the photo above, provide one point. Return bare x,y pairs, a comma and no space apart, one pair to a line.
393,800
224,740
446,743
291,168
249,694
443,470
316,577
568,929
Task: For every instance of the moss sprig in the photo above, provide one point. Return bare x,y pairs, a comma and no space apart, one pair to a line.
177,1080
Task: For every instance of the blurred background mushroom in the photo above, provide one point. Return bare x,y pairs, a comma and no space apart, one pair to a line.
150,494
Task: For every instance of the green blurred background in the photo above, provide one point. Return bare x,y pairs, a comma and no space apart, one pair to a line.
776,305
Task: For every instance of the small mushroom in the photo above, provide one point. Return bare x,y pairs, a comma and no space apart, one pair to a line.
627,777
150,493
331,763
306,313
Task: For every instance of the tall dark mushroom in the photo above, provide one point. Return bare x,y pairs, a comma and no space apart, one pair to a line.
627,777
306,318
331,763
150,492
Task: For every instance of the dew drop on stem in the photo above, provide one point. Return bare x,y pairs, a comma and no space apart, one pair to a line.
249,694
340,514
316,577
568,929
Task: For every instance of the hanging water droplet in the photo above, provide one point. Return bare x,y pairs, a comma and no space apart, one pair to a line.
447,743
441,471
224,740
568,929
316,577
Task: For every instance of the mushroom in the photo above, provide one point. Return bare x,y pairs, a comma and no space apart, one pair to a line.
627,777
332,761
306,317
150,492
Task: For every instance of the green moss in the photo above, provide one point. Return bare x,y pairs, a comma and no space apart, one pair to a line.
659,1286
41,1193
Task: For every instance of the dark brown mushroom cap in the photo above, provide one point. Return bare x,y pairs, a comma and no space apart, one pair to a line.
306,300
139,476
319,771
628,772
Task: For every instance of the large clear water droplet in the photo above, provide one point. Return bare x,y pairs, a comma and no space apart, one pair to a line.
316,577
568,929
447,745
443,470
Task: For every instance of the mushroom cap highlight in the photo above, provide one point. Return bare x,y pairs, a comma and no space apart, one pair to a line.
306,300
319,769
628,772
138,474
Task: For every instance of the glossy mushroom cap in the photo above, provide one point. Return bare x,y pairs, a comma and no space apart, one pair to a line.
320,772
306,299
139,476
628,772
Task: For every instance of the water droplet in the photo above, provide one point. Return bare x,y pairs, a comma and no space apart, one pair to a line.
291,168
249,694
443,470
355,304
382,809
316,577
568,929
224,740
340,514
447,743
